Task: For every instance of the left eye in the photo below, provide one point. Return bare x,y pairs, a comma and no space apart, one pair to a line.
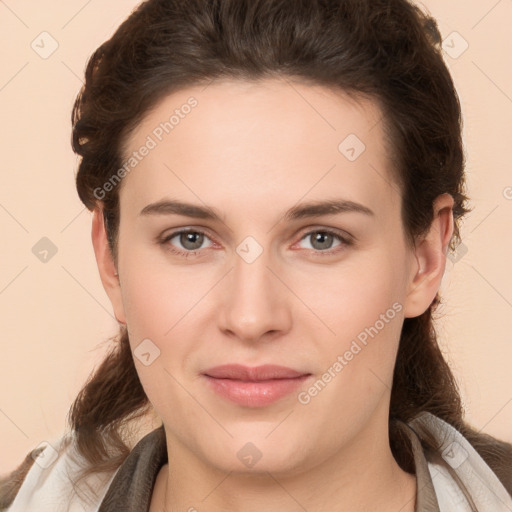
322,239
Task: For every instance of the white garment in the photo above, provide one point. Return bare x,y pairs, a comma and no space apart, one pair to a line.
48,489
479,488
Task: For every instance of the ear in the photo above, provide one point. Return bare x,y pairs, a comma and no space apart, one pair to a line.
430,253
106,266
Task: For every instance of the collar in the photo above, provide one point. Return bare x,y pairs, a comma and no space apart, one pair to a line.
132,486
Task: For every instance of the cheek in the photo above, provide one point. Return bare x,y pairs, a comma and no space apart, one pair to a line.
156,303
353,296
361,313
156,293
148,305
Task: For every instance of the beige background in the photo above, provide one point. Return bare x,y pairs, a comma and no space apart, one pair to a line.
55,316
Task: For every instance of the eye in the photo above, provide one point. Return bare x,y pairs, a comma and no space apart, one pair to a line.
190,240
321,241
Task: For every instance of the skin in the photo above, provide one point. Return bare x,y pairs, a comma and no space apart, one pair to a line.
252,151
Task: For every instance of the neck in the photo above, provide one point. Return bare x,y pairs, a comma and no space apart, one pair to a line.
362,476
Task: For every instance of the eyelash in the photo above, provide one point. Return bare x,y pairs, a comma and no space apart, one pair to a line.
345,241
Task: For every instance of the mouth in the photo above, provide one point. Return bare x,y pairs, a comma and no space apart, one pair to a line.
254,386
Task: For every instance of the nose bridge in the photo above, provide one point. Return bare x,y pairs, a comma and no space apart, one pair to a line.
254,302
251,274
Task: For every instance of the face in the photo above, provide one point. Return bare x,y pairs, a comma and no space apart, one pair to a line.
263,280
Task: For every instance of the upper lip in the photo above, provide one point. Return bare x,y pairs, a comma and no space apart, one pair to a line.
254,373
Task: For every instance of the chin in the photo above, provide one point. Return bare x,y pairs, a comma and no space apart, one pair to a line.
259,456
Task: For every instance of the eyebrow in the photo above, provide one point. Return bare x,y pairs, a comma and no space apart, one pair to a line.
300,211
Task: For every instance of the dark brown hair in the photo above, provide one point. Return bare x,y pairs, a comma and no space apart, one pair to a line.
386,50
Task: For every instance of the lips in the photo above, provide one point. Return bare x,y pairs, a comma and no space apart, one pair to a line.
253,374
254,386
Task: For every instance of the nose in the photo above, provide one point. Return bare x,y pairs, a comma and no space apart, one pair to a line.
255,305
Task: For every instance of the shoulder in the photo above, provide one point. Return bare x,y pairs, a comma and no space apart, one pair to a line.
45,481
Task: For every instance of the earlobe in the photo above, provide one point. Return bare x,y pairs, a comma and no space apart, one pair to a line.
430,255
106,266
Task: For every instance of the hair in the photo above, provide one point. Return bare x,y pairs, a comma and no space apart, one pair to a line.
388,51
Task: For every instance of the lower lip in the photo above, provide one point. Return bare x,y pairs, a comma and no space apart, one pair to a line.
255,394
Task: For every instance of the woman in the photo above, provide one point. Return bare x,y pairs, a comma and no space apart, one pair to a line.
275,185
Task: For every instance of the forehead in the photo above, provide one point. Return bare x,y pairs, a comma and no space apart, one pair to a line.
258,144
